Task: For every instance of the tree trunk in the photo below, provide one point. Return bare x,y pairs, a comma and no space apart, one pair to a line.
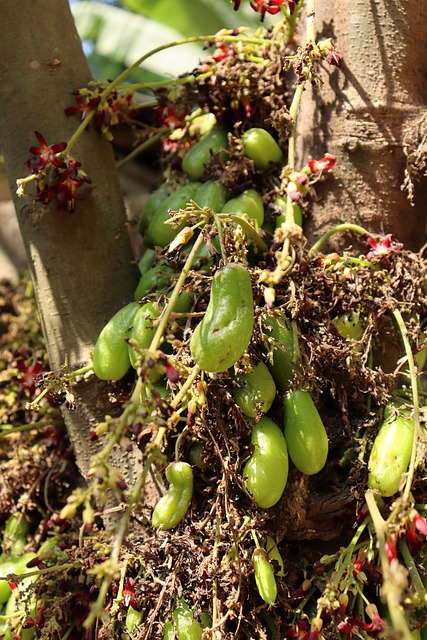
81,262
362,113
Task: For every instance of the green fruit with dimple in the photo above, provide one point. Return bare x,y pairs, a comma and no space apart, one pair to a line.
305,433
261,147
224,333
197,157
111,354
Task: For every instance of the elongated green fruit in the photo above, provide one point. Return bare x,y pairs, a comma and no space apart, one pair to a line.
158,233
173,505
277,326
264,576
266,472
224,333
257,390
261,147
249,202
111,354
198,156
305,433
390,455
133,619
158,277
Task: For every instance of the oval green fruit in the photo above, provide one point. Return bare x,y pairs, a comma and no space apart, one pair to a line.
278,328
224,333
158,233
249,202
211,194
390,455
197,157
155,200
264,576
348,325
265,474
261,147
305,433
257,390
111,354
281,203
158,277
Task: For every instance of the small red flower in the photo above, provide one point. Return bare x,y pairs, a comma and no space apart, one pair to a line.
391,551
84,106
334,58
383,248
324,164
416,531
266,6
47,154
28,374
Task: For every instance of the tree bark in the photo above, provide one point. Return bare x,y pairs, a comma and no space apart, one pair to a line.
81,262
362,113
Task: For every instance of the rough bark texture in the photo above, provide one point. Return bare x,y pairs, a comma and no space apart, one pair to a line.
363,112
81,262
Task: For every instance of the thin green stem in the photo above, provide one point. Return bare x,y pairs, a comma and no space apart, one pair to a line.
141,148
411,566
415,400
8,429
346,226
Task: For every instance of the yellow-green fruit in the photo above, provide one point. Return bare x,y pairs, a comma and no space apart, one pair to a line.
111,354
197,157
250,203
257,390
261,147
305,433
390,455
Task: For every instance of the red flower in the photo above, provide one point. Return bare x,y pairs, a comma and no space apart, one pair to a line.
390,549
47,154
84,106
334,58
416,531
266,6
383,248
28,374
324,164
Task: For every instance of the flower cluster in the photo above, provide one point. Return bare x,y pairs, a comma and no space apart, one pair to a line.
108,111
383,248
57,175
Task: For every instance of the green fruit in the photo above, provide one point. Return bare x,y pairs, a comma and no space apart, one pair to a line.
158,278
390,455
305,433
158,233
257,391
146,261
249,202
281,203
264,576
133,619
111,354
266,472
155,200
174,504
348,325
143,330
197,157
261,147
15,533
211,194
278,328
223,335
